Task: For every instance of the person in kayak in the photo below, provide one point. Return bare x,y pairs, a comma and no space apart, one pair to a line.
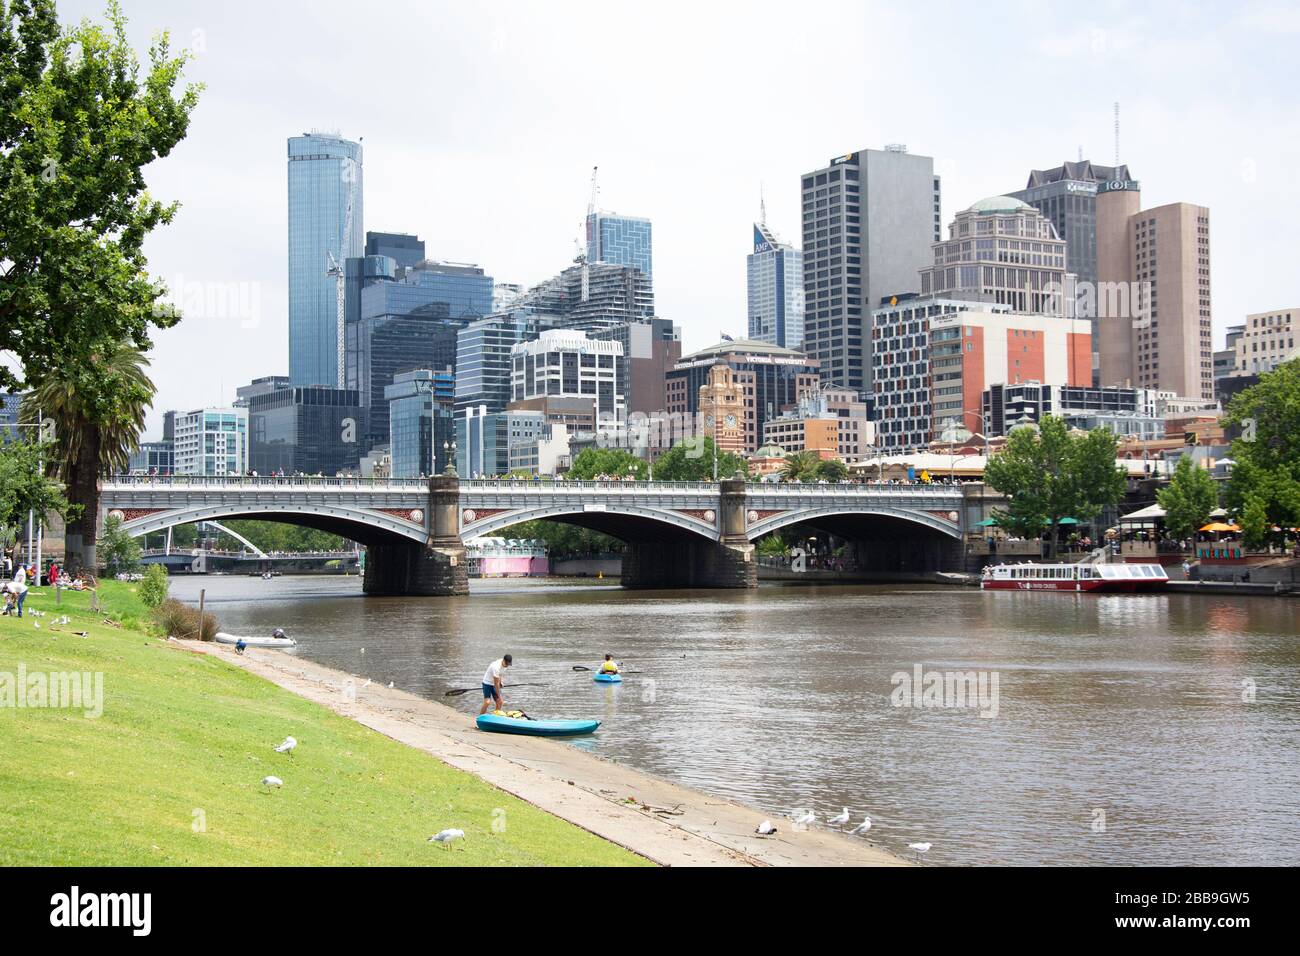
609,667
492,683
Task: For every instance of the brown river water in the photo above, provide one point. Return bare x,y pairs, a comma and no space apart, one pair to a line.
1110,729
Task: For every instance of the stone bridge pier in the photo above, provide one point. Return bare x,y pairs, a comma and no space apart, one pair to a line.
695,562
438,567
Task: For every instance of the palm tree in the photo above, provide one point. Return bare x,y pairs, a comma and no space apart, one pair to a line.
97,403
801,466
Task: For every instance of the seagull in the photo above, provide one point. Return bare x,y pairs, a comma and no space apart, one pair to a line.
920,848
272,782
862,827
765,828
287,746
807,818
390,684
36,624
446,836
841,819
366,684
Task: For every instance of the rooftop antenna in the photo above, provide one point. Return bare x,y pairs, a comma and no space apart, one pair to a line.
762,205
1117,132
1080,152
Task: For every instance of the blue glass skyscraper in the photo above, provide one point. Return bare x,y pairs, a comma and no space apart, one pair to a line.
621,240
325,219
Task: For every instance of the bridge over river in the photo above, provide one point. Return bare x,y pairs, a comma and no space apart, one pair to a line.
678,534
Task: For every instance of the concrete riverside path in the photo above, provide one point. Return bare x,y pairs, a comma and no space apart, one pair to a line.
578,787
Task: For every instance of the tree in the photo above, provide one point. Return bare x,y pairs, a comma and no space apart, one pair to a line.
1188,499
692,460
614,462
801,466
564,539
97,403
78,124
24,487
1265,480
120,551
1049,474
832,469
153,587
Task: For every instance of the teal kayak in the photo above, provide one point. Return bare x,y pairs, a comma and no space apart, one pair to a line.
608,678
535,728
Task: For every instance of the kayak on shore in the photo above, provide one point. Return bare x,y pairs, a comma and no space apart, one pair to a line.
495,724
224,638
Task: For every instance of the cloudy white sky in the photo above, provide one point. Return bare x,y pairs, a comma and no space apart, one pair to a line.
481,122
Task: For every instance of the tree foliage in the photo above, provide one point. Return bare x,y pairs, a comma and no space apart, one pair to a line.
613,462
24,487
277,536
153,587
118,550
808,466
1188,499
1265,485
78,124
692,460
1049,474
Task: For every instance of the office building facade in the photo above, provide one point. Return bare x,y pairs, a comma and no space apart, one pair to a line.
591,296
484,439
1127,411
651,347
483,357
774,272
869,220
1163,340
621,241
1266,341
421,423
1001,251
402,247
212,441
565,363
310,430
325,220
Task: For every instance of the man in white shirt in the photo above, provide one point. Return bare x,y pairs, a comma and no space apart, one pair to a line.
492,683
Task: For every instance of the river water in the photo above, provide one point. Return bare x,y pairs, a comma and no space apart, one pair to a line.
1124,729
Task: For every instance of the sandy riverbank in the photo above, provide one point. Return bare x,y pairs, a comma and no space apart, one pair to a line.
591,792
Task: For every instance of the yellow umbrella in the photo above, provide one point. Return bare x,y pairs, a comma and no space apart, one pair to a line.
1220,526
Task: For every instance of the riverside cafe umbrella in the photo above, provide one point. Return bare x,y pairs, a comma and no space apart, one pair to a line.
1219,526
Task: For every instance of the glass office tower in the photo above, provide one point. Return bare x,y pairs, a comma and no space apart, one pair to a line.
325,218
620,240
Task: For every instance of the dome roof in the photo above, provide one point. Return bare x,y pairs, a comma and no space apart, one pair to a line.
999,204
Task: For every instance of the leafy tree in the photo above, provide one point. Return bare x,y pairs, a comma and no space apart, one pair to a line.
801,466
692,460
78,123
1188,499
153,588
832,469
24,487
97,403
1265,480
1254,522
1049,474
616,462
120,551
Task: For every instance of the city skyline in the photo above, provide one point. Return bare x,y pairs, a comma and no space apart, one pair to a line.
457,178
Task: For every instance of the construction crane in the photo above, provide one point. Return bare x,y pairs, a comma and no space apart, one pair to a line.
580,252
338,270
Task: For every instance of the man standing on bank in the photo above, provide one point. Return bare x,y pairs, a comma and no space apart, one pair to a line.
492,683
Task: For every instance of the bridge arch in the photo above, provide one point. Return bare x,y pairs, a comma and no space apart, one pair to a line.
853,516
626,522
357,524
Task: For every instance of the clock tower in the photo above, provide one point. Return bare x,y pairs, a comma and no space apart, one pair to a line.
722,410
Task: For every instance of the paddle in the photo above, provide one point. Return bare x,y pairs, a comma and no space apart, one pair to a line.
457,691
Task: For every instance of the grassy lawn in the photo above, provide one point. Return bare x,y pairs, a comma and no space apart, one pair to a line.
170,774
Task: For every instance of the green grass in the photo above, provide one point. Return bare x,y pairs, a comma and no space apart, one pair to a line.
185,738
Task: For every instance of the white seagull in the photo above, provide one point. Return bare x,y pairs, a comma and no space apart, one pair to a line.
446,836
920,848
807,818
862,827
272,782
765,828
366,684
841,819
287,746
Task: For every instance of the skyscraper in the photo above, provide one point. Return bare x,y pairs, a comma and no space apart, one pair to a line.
407,250
776,296
869,219
620,241
1162,339
325,219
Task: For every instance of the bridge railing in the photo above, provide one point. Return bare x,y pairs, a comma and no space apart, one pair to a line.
245,482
